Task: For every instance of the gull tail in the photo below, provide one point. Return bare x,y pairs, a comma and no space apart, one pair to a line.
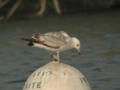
30,41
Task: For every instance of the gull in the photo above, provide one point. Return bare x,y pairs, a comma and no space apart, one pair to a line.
54,42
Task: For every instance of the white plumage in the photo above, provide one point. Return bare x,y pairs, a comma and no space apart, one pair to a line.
54,42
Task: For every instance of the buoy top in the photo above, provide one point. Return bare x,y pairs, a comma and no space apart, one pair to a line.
56,76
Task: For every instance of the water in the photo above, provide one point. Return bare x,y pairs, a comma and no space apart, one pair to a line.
100,47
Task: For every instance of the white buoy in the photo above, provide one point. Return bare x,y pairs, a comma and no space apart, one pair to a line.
56,76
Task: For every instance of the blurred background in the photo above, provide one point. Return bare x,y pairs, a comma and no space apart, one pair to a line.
95,22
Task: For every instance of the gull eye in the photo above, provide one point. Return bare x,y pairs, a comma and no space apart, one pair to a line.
77,45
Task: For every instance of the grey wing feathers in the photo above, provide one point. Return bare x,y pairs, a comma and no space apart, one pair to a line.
60,34
55,39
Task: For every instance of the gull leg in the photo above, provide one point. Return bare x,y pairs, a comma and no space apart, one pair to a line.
58,56
54,57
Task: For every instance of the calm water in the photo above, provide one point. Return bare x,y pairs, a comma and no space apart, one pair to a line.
100,46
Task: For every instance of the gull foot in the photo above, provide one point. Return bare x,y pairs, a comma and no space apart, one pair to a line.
55,58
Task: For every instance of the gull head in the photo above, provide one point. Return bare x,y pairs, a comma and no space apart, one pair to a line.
76,44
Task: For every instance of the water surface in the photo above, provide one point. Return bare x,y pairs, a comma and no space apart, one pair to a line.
99,34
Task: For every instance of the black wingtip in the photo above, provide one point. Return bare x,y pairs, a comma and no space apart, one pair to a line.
30,44
25,39
30,41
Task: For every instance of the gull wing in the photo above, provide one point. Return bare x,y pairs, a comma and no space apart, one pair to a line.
58,34
52,39
61,35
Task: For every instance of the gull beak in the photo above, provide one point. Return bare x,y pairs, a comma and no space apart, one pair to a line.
79,52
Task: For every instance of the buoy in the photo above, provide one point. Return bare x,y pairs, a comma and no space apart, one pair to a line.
56,76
